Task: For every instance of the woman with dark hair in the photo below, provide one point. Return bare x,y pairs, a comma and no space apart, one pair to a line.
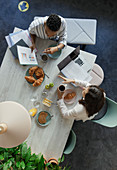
87,108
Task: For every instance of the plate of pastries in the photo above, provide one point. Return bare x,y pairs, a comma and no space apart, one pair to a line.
35,76
69,96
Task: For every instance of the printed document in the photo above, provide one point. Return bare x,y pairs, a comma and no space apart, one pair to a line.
26,57
74,71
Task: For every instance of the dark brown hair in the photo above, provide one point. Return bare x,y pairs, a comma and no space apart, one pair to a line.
94,100
54,22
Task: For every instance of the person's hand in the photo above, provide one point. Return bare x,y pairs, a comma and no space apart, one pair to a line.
66,80
32,47
50,50
60,94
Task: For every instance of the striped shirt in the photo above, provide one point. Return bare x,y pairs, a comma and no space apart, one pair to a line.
37,28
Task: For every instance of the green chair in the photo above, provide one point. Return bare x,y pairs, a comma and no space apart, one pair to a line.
71,142
110,118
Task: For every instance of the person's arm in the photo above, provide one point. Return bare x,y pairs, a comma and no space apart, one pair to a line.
32,32
81,83
76,82
52,50
33,37
64,111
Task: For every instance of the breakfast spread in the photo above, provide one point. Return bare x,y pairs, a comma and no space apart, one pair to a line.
42,117
39,73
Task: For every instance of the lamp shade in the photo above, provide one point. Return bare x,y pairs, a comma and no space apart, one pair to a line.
15,124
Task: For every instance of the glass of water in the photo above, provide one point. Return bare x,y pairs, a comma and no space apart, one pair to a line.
35,101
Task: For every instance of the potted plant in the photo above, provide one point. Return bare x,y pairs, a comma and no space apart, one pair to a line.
53,164
20,157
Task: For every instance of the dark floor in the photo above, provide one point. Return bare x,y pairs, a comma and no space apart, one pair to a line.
96,145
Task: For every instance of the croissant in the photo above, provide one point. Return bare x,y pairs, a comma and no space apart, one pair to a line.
38,82
30,79
39,73
32,70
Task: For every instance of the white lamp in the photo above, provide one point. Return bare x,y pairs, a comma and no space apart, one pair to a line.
15,124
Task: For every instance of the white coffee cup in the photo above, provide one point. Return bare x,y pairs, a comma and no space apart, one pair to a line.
44,57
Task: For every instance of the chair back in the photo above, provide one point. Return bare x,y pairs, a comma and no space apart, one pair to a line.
71,142
110,118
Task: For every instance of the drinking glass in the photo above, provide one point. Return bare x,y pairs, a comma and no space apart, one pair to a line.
35,101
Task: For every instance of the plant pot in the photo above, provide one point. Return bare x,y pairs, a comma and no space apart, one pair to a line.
53,161
45,162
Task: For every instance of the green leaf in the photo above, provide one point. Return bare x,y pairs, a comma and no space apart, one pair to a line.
29,164
22,165
28,155
1,157
5,156
2,150
39,156
5,166
1,166
9,163
33,157
24,150
18,158
62,158
18,164
48,164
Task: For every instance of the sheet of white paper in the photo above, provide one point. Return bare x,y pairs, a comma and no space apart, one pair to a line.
8,41
90,58
74,71
26,57
21,35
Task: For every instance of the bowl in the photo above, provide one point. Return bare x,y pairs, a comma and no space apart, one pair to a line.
56,54
69,101
48,118
27,74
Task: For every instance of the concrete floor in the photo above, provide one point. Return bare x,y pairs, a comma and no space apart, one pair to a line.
96,145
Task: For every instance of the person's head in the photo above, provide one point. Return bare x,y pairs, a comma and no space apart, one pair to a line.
52,25
93,99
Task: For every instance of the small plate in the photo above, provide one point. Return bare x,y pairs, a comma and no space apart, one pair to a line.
48,118
27,74
69,101
56,54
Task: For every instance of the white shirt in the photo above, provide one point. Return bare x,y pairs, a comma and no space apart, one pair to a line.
37,28
79,111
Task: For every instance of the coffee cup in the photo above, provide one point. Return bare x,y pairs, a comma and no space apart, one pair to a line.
44,57
62,87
